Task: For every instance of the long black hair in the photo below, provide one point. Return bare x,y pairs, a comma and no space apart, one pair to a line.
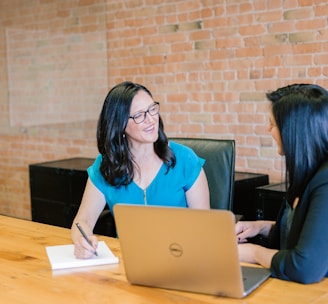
117,161
301,115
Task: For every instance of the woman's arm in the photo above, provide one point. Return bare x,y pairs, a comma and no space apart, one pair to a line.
198,196
251,253
93,202
256,254
307,259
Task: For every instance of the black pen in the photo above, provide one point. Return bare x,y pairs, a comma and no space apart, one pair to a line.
85,236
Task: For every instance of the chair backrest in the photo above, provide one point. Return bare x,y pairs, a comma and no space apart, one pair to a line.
219,167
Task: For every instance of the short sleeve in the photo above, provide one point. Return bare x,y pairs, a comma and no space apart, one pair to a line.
95,175
189,164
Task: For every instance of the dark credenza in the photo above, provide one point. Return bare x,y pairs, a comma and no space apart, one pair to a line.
245,196
56,192
269,200
57,188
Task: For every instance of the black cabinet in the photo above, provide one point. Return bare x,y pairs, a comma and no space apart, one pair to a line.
245,199
269,200
56,190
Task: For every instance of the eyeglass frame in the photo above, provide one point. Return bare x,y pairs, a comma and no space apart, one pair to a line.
156,103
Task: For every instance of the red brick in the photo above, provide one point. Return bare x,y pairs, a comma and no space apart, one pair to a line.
209,63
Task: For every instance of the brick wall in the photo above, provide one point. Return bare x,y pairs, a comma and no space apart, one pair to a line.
208,62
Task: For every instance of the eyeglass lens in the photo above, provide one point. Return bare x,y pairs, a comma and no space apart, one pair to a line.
141,116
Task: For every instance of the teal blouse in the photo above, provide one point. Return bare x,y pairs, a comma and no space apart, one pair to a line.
166,189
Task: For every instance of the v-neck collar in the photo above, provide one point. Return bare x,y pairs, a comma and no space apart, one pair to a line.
157,174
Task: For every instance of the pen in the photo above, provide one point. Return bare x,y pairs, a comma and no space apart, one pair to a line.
85,236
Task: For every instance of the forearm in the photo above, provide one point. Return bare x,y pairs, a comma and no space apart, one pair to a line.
93,202
263,256
256,254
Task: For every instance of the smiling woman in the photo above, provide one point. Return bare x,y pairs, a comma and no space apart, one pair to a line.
136,164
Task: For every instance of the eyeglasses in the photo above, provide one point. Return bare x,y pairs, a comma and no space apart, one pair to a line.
141,116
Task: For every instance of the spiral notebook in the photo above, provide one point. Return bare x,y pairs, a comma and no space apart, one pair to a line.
62,256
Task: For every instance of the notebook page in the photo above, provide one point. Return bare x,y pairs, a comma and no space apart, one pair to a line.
62,256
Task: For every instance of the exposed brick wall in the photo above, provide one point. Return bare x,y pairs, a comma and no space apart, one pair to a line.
19,150
208,62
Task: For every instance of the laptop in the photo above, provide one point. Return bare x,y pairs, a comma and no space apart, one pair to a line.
184,249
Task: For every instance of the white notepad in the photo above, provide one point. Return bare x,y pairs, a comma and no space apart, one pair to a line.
62,256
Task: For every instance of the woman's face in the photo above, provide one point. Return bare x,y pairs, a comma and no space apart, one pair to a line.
146,131
275,133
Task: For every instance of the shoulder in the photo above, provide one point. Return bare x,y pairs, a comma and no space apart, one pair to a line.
323,169
94,169
320,177
96,164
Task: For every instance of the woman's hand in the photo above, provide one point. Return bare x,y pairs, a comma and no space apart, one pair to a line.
245,230
82,249
252,253
249,229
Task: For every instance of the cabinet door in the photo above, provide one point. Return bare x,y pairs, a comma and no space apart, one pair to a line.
49,212
51,196
245,193
49,184
57,189
269,204
269,201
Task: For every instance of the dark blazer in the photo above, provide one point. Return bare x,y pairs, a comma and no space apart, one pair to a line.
306,257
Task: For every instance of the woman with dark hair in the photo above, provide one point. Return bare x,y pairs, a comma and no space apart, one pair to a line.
136,164
298,241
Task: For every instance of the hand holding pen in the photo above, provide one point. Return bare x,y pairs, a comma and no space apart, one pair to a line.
85,236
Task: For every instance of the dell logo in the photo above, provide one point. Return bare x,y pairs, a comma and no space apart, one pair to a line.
176,249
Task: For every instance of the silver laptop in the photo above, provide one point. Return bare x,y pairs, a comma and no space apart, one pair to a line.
184,249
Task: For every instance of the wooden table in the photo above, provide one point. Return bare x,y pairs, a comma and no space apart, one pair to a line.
26,276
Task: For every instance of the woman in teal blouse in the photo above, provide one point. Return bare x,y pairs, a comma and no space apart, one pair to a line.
298,240
136,164
168,188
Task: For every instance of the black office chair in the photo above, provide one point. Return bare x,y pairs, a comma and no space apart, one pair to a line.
219,167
